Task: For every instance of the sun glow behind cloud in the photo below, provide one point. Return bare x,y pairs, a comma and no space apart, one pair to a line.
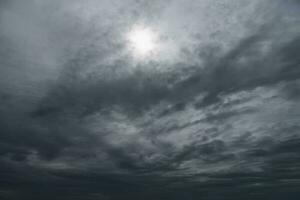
142,41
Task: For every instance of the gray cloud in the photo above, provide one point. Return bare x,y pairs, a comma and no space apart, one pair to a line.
214,114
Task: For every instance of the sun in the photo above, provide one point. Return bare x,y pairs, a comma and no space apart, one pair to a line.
142,41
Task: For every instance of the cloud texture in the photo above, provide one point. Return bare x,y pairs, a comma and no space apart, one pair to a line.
214,114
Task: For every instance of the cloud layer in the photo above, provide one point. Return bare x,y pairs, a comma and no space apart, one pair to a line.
214,114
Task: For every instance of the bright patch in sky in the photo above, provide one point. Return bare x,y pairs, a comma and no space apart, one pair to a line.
142,40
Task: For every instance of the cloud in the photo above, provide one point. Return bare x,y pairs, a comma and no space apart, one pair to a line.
214,114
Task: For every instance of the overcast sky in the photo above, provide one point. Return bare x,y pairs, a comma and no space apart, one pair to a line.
212,113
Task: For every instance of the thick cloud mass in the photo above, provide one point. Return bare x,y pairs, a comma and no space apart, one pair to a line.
214,113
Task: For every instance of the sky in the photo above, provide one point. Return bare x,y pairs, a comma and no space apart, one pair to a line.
154,100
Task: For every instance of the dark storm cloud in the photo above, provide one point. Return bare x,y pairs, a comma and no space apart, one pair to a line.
292,90
81,119
143,89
